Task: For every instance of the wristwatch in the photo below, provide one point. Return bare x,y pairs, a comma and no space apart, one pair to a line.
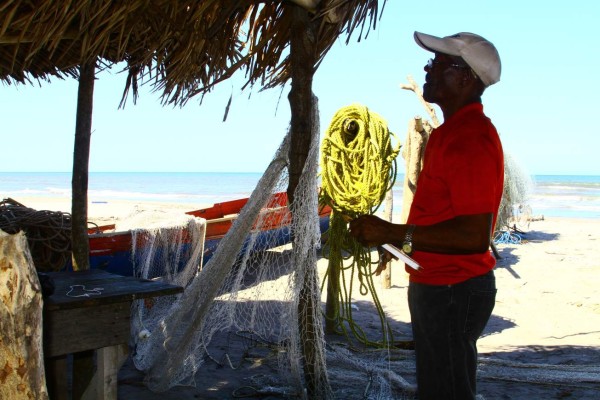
407,246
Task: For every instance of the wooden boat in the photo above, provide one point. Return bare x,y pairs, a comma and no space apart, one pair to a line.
111,251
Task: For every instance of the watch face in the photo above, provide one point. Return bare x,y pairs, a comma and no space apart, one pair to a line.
407,248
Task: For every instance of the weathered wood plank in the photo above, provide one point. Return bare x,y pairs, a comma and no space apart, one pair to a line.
22,373
78,329
75,289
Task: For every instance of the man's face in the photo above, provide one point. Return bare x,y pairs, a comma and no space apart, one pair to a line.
442,80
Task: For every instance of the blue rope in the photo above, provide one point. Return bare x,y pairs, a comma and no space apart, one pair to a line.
507,237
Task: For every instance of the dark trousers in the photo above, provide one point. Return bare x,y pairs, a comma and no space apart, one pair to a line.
446,323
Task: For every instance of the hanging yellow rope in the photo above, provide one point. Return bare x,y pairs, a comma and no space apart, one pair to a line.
358,167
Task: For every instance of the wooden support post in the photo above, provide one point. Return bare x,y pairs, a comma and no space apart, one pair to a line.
386,275
81,155
303,54
332,305
104,383
83,372
57,377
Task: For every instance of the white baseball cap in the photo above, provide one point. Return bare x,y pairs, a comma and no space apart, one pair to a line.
478,53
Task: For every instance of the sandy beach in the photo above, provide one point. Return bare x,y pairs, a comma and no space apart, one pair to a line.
542,342
546,320
107,212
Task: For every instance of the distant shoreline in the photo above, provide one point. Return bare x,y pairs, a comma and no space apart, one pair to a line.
571,196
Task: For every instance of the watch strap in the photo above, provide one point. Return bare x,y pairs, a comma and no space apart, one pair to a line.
409,233
408,239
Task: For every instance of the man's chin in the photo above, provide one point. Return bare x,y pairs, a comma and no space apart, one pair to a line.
427,93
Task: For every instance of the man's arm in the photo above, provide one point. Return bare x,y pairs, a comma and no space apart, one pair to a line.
464,234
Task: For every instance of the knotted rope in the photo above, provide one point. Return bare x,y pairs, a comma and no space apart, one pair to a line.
48,233
358,167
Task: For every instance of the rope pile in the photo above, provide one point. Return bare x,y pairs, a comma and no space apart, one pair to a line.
358,167
48,233
507,237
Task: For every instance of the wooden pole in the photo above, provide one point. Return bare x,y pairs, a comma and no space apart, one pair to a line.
413,152
332,304
386,275
83,363
81,155
303,53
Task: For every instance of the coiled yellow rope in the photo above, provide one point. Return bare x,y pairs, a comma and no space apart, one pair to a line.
358,167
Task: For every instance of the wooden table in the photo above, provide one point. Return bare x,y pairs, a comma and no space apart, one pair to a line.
91,310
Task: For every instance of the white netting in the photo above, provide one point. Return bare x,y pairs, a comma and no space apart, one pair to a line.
243,292
165,245
244,300
514,209
270,298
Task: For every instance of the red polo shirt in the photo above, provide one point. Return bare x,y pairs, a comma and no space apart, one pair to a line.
463,173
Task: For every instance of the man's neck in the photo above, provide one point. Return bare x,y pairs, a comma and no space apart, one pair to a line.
449,110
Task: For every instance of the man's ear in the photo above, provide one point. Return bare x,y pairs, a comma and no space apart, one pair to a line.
467,78
473,83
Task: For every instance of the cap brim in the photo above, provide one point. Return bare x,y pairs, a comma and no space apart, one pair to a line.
435,44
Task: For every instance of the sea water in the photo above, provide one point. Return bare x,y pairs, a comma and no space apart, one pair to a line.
576,196
168,187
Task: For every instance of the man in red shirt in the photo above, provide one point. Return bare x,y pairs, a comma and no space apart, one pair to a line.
449,227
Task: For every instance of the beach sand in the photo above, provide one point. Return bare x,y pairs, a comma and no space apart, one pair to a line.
547,312
107,212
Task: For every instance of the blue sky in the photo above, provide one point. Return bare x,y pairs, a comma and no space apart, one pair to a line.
544,107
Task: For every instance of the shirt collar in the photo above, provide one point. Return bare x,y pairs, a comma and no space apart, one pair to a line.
471,107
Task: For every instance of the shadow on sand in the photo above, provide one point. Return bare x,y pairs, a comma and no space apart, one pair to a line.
239,362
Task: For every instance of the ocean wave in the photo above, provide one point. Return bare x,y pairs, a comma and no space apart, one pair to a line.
550,195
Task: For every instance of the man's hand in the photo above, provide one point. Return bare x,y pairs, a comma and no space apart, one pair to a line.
369,230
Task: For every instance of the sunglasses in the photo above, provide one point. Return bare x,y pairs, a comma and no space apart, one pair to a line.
431,63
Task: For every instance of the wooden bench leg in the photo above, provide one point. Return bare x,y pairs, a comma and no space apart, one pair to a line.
57,377
103,385
83,371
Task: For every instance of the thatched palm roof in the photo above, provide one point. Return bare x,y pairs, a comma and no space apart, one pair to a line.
183,47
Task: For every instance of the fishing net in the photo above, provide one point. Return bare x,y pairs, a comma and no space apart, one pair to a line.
258,301
514,211
242,291
165,245
257,292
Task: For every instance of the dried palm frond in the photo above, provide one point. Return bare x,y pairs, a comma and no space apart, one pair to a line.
183,47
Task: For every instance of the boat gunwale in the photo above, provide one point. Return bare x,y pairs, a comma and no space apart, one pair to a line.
225,218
